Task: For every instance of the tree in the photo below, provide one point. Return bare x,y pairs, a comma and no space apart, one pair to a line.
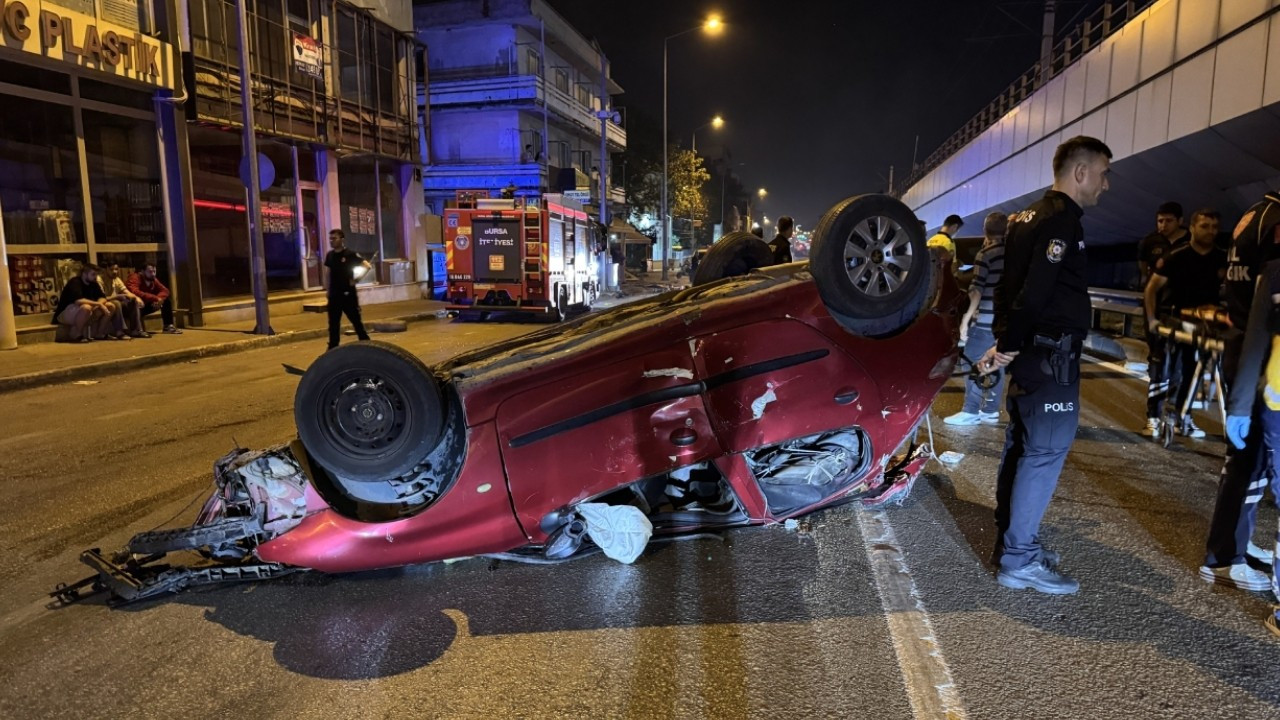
685,177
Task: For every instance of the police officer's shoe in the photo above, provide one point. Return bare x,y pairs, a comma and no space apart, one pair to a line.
1049,556
1039,576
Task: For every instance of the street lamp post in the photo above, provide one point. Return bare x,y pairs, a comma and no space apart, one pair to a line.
713,26
717,122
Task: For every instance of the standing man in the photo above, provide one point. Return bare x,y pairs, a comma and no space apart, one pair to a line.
1193,275
154,295
781,244
1042,315
345,267
1252,265
982,405
945,239
1152,252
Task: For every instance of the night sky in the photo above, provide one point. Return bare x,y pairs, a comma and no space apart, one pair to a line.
820,98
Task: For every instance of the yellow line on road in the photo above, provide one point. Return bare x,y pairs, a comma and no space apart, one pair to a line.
930,688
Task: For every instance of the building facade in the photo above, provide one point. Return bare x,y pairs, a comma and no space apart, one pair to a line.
515,96
120,142
335,110
82,96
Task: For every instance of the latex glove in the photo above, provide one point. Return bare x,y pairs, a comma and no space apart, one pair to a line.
1238,430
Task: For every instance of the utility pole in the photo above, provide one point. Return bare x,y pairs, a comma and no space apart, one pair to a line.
8,325
1046,41
605,114
257,261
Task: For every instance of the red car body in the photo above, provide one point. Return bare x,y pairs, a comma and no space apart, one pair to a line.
573,412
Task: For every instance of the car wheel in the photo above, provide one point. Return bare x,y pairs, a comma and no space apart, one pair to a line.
368,411
737,253
872,265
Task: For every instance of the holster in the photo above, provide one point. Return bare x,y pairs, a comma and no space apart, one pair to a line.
1061,357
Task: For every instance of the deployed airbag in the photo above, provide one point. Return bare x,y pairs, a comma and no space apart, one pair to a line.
621,531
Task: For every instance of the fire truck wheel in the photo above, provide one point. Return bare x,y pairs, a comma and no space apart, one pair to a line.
368,411
737,253
871,263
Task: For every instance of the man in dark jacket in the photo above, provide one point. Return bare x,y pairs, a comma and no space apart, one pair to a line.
345,268
1253,422
83,307
781,244
1042,315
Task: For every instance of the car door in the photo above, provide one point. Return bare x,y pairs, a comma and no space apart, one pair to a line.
597,428
781,379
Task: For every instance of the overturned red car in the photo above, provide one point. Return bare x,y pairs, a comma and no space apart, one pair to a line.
747,400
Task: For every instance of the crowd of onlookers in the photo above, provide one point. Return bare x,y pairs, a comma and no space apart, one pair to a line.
104,304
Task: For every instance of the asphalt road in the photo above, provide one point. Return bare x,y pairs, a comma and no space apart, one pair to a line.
761,622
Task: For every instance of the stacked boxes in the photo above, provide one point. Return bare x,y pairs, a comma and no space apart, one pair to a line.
36,281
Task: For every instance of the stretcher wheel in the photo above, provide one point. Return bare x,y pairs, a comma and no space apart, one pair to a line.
368,411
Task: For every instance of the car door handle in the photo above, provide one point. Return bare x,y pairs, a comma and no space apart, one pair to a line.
845,396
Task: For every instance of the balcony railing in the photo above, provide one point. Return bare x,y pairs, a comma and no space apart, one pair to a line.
1088,34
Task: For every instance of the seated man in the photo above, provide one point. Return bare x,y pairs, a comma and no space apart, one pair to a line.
154,295
130,305
83,307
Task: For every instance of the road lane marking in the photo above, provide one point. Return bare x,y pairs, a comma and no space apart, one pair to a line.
1116,367
930,688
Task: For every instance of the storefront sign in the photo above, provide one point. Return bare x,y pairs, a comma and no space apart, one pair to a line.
306,56
48,30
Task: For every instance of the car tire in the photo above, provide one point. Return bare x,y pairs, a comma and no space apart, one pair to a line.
871,263
368,411
737,253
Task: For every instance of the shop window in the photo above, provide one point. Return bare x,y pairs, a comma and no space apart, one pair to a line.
124,179
32,77
307,170
114,94
36,280
40,194
358,204
389,186
386,65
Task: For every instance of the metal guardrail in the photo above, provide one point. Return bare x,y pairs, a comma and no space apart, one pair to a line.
1088,34
1125,303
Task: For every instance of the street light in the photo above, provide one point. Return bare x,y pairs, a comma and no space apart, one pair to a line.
712,26
762,192
716,123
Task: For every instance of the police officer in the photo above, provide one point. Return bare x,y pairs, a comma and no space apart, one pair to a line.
345,267
1252,263
1042,314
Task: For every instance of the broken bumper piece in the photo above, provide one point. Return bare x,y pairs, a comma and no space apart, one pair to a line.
257,496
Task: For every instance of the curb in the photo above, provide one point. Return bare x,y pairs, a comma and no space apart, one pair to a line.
115,367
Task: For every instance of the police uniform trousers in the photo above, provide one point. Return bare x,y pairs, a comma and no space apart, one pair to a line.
345,304
1043,416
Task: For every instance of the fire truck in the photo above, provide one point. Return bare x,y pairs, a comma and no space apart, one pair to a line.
518,258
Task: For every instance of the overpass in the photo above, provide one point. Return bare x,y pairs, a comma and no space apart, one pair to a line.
1185,92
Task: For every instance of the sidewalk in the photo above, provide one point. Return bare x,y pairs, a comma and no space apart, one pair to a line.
48,363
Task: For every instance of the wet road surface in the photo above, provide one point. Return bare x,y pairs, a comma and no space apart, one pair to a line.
756,622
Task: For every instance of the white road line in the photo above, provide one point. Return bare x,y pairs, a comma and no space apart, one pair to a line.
930,688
